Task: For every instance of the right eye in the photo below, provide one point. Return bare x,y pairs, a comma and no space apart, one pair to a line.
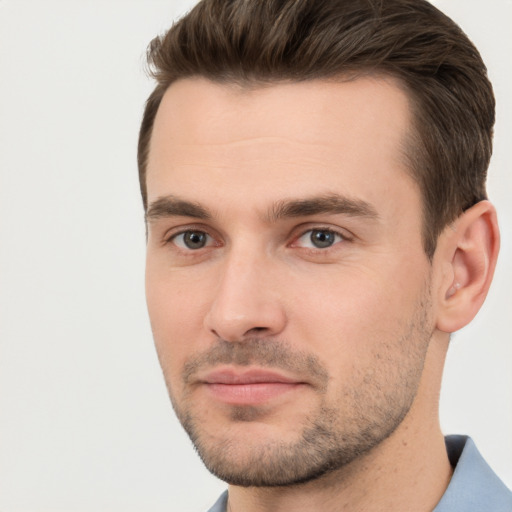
192,240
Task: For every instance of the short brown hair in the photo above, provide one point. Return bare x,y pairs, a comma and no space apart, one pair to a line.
262,41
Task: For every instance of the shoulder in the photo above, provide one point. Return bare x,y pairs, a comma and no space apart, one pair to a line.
474,486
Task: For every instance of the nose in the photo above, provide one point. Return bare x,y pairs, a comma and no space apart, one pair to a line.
247,302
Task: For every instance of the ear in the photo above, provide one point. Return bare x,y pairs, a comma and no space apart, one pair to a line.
467,254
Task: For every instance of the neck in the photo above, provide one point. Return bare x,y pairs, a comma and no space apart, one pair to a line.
409,471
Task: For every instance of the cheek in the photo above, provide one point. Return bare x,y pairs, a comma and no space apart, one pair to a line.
176,310
353,316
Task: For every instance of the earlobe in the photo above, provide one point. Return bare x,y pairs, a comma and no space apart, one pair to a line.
468,250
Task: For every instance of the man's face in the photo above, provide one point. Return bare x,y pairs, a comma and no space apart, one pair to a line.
287,287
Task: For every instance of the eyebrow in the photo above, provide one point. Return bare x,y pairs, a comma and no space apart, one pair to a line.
327,204
171,206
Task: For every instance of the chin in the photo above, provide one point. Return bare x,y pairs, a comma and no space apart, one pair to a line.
249,453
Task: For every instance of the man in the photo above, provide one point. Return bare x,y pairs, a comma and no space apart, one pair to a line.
313,175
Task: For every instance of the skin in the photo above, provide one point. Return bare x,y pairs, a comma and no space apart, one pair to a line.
358,327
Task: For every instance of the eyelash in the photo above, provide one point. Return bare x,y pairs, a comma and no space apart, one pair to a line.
344,237
170,239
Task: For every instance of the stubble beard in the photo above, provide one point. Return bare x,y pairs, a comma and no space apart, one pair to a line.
333,435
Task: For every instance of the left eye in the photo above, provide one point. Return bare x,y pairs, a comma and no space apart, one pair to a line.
192,240
319,239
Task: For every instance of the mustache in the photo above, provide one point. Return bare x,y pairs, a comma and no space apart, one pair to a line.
255,351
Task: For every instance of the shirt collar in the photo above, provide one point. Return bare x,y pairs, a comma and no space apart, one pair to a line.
474,486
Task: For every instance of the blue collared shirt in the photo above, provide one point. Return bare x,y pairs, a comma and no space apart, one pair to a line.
474,486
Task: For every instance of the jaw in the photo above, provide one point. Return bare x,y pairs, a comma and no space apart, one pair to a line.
407,471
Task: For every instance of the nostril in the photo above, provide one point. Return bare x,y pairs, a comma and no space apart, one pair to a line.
256,330
234,318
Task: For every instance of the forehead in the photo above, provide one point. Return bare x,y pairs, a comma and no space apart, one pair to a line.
194,107
269,140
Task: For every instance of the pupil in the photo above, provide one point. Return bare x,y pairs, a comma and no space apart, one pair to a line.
322,239
194,239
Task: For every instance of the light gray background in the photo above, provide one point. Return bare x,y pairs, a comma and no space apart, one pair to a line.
85,422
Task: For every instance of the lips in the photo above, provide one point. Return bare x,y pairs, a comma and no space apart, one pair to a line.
250,387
